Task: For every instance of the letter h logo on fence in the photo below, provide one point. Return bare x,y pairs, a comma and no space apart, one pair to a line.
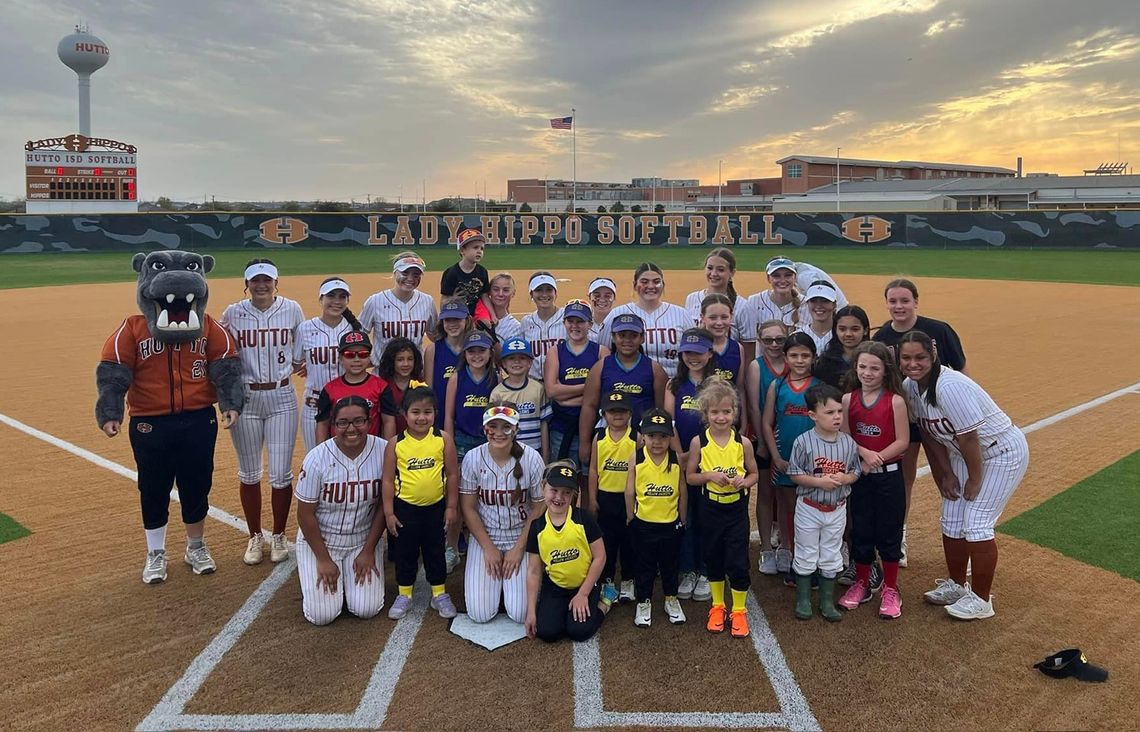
866,229
284,230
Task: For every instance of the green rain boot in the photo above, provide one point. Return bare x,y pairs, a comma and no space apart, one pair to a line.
827,600
803,596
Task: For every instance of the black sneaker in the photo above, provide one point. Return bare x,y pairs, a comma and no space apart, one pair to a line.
848,577
790,579
876,577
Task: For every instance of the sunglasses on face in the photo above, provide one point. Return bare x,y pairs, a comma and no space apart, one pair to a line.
502,412
355,354
777,341
358,423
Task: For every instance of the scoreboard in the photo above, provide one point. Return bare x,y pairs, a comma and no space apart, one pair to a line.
68,174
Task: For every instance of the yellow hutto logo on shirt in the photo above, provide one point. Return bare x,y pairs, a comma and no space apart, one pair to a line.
729,471
616,465
558,556
426,463
627,388
448,372
474,400
656,490
690,402
572,373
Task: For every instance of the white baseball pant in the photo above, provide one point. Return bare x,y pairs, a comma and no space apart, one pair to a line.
481,591
309,427
320,606
1003,466
268,418
819,538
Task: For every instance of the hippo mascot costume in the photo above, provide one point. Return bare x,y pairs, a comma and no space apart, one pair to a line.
172,362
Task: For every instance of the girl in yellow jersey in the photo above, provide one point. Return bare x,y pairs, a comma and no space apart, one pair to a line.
610,458
656,502
723,462
565,558
421,491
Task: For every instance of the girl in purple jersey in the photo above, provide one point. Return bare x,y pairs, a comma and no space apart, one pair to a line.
443,349
697,362
565,372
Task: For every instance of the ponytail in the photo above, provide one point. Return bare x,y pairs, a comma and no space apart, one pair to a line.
351,318
519,493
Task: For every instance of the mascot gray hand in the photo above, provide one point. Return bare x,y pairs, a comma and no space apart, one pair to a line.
112,381
225,374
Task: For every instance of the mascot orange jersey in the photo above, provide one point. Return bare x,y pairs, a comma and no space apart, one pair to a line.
167,378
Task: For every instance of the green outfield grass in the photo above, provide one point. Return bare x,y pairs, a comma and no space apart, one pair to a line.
1089,266
1094,521
10,529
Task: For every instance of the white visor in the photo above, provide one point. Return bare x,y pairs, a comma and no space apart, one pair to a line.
403,265
827,293
331,285
540,280
602,282
262,268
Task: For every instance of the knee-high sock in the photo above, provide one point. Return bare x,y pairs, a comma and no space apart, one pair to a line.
281,500
957,557
251,506
983,560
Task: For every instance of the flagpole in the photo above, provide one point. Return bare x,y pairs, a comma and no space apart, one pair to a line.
574,160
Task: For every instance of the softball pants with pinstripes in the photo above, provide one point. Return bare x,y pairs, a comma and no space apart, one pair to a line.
309,425
481,591
1004,464
320,606
268,418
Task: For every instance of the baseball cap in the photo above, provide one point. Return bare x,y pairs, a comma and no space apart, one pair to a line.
1071,662
477,339
777,263
403,265
627,321
562,476
694,343
261,268
502,412
539,280
516,346
656,422
334,284
454,309
468,236
821,288
578,309
615,400
354,339
600,282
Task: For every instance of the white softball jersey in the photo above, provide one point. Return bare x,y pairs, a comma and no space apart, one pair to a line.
345,490
494,484
317,347
543,335
265,338
964,407
386,316
508,327
739,314
663,329
820,341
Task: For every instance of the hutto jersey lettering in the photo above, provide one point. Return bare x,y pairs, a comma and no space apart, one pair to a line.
316,347
386,316
264,338
543,335
663,329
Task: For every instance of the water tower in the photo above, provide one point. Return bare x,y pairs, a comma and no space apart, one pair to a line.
84,54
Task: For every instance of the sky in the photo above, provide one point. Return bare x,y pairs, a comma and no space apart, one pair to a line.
351,99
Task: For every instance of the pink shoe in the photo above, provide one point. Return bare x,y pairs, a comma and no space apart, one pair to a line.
891,605
856,595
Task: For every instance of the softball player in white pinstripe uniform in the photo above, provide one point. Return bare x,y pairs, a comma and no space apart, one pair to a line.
784,300
265,327
317,347
340,515
500,494
664,321
401,311
544,327
977,457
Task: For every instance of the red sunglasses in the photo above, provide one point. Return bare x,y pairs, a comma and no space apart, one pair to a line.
355,354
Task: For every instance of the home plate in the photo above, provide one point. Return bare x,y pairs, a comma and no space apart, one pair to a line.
496,633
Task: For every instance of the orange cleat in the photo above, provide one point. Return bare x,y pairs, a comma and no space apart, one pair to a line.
716,619
739,624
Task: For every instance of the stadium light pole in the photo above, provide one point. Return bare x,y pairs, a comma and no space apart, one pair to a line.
837,178
719,185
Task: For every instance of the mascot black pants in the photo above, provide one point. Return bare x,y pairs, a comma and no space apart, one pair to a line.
175,448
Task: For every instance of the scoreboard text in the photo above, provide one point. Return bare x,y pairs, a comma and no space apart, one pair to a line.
61,175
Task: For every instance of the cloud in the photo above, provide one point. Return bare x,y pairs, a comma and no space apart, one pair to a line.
950,23
848,14
1107,46
742,97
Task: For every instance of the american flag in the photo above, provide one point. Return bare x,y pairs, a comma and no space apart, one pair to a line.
561,123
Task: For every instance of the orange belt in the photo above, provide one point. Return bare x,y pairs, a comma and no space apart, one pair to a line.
823,506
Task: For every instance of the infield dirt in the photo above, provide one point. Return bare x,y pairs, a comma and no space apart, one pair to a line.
85,645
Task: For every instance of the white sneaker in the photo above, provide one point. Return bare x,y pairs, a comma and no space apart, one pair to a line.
902,559
627,591
452,558
768,562
642,617
702,592
154,571
200,560
278,548
685,588
783,560
673,610
971,607
947,592
254,550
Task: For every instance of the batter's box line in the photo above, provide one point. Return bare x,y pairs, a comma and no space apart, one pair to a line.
794,714
169,714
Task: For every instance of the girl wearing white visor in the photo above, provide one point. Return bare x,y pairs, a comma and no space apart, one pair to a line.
543,328
602,292
402,310
317,349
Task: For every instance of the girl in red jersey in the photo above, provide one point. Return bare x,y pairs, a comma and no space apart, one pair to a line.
400,364
875,415
355,356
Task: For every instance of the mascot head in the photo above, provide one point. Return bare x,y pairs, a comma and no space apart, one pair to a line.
172,293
